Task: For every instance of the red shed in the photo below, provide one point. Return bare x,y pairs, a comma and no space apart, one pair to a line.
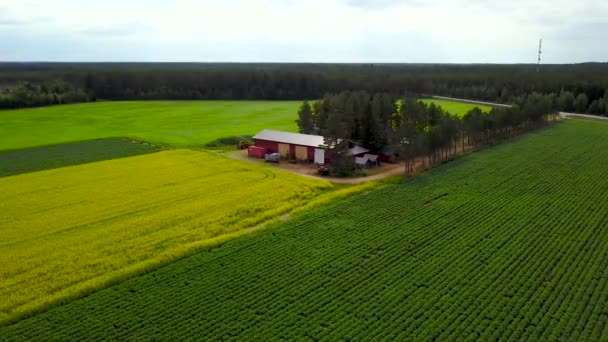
303,147
255,151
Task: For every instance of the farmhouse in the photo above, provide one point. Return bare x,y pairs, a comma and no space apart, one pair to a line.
304,147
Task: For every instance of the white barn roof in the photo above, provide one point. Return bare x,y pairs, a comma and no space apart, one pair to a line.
290,138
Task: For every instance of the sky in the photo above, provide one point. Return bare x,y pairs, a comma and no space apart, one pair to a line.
326,31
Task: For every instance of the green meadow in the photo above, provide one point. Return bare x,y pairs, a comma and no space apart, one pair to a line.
457,108
167,123
176,124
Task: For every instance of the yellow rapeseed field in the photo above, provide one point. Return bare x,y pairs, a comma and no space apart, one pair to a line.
67,232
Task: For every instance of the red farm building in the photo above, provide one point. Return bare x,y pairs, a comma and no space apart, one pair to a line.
303,147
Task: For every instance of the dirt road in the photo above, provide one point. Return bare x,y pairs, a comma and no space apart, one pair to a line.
242,156
585,116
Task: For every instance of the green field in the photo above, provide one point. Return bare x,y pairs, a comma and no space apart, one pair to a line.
54,156
167,123
457,108
71,230
506,244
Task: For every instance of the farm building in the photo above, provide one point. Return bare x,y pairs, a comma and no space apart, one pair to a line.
358,151
367,160
388,154
304,147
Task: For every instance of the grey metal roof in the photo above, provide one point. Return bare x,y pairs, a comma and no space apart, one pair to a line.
357,150
290,138
371,157
360,160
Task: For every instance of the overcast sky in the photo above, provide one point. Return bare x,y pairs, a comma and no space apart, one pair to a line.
409,31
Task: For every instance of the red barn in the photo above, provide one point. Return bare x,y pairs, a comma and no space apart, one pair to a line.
304,147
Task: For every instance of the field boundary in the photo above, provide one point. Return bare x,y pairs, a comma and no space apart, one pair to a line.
584,116
491,104
137,140
40,158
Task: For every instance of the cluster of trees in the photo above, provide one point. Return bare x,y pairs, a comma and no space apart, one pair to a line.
26,94
411,127
568,102
143,81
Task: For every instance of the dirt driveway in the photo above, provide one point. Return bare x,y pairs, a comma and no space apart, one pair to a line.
309,170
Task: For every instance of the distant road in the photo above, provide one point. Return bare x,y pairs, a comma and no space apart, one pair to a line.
583,116
586,116
491,104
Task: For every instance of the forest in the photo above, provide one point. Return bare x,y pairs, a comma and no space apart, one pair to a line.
574,87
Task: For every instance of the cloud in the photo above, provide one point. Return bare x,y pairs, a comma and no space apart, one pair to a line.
592,31
456,31
8,20
11,22
379,4
120,30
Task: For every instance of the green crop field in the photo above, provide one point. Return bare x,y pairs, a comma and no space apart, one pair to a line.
456,108
68,231
170,123
507,244
53,156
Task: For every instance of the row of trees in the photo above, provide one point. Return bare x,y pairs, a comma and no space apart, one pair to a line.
26,94
411,127
568,102
143,81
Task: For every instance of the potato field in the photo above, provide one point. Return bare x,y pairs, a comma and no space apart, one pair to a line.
507,244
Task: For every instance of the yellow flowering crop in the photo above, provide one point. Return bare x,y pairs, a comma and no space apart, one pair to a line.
67,232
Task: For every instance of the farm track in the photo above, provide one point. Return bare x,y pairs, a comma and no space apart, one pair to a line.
507,244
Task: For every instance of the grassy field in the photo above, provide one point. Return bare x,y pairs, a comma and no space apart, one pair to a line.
167,123
49,157
456,108
170,123
68,231
506,244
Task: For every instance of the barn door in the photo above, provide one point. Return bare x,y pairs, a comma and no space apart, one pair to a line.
284,150
301,152
319,156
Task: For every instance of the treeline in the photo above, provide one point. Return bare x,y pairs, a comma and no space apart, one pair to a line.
217,81
412,128
25,94
568,101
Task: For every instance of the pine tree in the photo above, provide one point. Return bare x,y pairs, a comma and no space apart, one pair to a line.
602,107
594,108
565,102
304,121
581,103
